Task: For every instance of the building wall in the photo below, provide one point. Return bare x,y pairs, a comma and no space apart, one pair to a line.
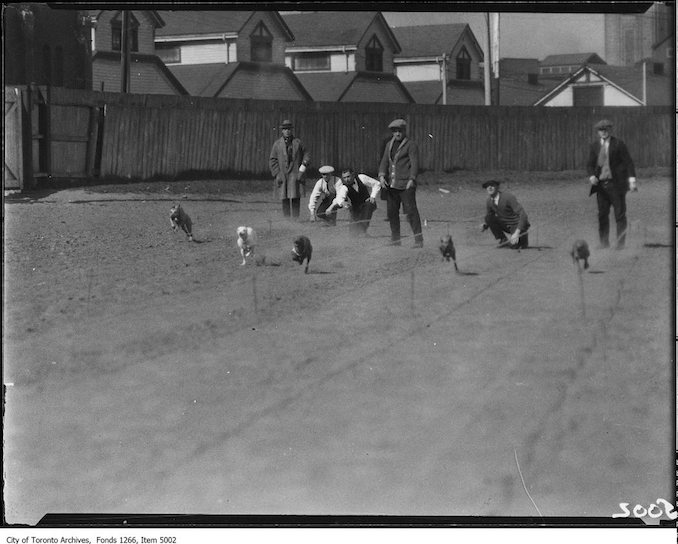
243,41
207,52
387,59
260,85
103,35
629,38
424,71
611,96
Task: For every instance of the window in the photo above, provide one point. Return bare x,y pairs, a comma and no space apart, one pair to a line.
169,54
311,61
374,56
59,66
261,44
588,96
116,32
46,65
463,64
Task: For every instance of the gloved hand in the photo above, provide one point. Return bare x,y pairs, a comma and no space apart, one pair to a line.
515,237
484,227
593,180
633,185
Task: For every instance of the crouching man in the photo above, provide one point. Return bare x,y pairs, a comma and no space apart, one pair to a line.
323,194
505,215
358,193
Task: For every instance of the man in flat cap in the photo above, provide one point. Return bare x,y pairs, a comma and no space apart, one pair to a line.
504,215
398,178
288,162
323,194
611,175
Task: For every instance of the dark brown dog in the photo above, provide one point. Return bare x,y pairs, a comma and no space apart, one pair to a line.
302,251
447,250
580,252
179,219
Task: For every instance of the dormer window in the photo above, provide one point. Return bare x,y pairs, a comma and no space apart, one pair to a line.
116,32
261,44
463,64
374,56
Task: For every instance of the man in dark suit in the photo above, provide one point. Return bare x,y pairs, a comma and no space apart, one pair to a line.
611,175
504,215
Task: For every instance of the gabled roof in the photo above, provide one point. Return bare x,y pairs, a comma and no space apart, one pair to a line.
572,58
430,40
332,86
517,92
663,40
459,92
334,28
517,66
152,14
143,58
192,23
209,79
577,74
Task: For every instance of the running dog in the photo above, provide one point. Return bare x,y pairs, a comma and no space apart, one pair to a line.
302,251
447,250
247,240
179,219
580,252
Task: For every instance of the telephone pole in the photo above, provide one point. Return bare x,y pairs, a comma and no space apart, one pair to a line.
125,54
443,69
486,63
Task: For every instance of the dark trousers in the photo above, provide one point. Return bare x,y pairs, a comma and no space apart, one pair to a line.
406,197
360,218
608,195
290,206
330,218
500,229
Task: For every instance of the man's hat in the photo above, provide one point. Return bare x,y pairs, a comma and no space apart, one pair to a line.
605,123
489,182
398,123
326,169
286,124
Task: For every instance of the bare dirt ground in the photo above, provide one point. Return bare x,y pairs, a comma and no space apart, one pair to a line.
153,375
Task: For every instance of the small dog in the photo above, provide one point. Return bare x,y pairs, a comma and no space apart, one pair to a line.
447,250
302,250
580,251
179,219
247,240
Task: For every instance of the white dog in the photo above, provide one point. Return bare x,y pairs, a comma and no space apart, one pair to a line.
247,240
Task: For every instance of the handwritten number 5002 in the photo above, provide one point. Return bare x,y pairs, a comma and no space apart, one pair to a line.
654,511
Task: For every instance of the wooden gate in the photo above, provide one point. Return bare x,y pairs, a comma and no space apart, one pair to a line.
13,172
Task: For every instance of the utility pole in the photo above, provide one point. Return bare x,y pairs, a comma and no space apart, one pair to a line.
495,56
443,68
125,54
486,62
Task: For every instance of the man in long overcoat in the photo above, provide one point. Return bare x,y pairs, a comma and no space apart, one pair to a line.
288,162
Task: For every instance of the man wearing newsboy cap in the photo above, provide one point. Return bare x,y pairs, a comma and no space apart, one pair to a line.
611,175
288,162
398,178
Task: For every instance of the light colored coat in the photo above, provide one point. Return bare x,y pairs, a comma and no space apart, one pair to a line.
288,182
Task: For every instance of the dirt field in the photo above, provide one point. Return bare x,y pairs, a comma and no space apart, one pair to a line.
153,375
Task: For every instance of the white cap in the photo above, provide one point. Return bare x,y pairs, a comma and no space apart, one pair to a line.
326,169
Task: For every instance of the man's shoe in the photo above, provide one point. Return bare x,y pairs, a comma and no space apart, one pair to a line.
417,245
394,243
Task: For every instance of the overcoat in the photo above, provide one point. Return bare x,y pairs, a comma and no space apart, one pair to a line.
286,176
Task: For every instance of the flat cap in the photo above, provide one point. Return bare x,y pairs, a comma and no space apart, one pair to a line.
326,169
286,124
489,182
605,123
398,123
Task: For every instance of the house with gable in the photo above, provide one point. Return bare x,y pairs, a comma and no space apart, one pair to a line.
427,50
604,85
343,56
555,65
229,54
148,74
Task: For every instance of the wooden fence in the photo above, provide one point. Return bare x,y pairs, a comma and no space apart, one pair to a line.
112,135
